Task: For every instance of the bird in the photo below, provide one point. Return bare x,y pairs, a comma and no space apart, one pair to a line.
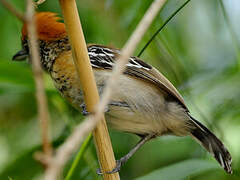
145,102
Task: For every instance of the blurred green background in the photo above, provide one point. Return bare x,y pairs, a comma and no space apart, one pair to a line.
198,51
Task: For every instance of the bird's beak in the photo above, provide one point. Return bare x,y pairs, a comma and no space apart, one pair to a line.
20,55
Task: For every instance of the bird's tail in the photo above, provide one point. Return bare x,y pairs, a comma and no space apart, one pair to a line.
212,144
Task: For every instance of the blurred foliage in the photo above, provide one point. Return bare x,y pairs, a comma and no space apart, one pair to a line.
181,170
195,51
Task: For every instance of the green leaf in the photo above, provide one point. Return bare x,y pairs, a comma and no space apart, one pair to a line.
78,157
25,166
181,170
15,73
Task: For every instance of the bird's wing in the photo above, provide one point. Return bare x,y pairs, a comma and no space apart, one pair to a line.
102,57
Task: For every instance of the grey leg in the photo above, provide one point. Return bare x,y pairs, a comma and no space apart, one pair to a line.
125,158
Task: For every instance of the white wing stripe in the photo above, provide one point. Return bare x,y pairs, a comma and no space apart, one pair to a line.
103,57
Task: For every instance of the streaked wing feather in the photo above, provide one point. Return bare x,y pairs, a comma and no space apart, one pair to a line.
158,80
103,57
165,82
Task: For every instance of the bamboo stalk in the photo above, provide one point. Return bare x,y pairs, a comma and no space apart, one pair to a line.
91,97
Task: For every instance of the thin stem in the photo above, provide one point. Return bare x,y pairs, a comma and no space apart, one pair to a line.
163,25
43,114
78,157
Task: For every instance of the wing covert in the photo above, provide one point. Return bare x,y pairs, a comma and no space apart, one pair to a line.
103,57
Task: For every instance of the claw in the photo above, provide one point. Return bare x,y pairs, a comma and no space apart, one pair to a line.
125,158
99,172
119,164
117,168
84,110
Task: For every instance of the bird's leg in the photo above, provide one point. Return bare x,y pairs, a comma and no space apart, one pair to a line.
125,158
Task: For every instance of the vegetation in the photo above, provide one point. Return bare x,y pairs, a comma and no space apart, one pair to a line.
198,51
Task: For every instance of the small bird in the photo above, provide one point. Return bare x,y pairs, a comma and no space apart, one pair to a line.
145,102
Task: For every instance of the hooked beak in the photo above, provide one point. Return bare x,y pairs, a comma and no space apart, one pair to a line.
20,55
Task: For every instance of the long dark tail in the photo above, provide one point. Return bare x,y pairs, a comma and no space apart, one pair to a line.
212,144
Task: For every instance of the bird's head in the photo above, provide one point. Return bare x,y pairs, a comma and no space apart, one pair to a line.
49,29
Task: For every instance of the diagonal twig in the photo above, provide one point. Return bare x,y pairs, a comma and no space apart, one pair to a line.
162,26
81,131
43,113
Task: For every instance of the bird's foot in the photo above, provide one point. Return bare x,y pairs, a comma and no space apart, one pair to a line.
84,110
125,158
119,164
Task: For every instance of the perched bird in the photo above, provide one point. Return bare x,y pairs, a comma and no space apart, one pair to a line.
145,102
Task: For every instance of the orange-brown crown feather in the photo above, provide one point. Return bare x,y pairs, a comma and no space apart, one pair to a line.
48,27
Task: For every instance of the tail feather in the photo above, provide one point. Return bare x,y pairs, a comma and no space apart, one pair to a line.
212,144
